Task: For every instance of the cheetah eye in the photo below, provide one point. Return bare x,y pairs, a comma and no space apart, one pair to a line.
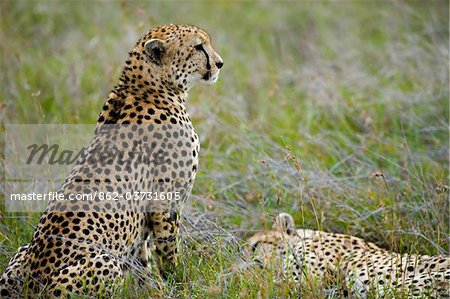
259,263
255,246
199,47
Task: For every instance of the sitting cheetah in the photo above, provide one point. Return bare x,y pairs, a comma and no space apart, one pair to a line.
365,268
144,142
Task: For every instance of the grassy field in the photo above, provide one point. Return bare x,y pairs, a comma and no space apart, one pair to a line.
335,112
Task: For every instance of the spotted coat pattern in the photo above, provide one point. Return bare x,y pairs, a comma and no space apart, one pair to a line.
366,269
144,142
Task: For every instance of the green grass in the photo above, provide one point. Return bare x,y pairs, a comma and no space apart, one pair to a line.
314,98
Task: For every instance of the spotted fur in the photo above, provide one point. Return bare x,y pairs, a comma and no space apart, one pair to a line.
365,268
144,142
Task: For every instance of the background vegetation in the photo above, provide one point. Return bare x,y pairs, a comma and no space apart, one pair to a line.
335,112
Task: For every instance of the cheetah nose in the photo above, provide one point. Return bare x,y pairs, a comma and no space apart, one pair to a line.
219,64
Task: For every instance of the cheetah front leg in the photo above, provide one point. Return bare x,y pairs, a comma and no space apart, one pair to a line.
165,231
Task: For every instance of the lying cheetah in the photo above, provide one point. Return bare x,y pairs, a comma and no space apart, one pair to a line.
365,267
144,142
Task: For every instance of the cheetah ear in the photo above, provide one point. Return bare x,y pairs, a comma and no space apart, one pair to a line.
285,223
155,50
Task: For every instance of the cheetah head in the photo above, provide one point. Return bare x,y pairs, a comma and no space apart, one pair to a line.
176,55
271,247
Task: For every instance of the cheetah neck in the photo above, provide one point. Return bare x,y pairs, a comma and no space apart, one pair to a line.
143,86
137,77
123,97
